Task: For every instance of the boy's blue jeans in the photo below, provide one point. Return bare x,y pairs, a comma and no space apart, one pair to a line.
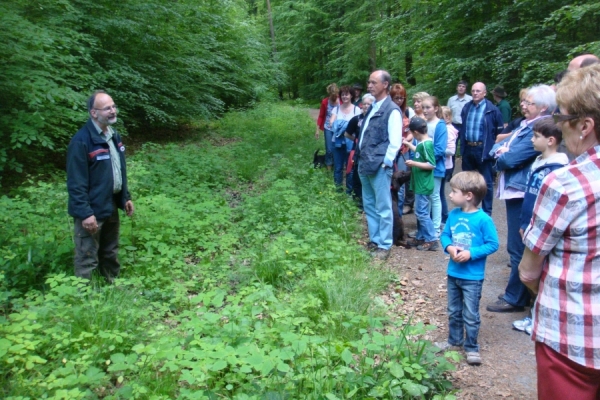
425,229
463,312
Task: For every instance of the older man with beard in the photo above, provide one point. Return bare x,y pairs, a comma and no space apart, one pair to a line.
97,186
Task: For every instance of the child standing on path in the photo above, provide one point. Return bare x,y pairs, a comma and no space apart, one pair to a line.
469,237
421,183
546,139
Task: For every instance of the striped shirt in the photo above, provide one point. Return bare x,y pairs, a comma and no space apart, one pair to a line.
474,124
564,228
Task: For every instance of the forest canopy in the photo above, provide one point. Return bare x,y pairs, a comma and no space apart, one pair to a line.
169,63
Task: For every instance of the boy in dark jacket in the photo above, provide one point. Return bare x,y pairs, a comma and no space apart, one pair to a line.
546,138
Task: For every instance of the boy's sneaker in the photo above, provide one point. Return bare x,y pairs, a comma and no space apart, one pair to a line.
522,324
529,329
473,358
429,246
443,346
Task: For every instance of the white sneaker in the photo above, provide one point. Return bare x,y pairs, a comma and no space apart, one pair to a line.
529,329
522,324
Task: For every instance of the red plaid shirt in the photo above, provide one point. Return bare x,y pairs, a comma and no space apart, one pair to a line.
564,227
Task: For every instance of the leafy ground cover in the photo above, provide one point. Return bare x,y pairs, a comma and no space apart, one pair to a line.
241,279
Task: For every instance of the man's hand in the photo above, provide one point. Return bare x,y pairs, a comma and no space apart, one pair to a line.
90,224
129,209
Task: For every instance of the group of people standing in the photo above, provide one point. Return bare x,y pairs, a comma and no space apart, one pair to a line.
552,206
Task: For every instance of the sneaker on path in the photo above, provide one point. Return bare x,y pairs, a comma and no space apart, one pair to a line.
412,234
529,329
473,358
444,345
522,324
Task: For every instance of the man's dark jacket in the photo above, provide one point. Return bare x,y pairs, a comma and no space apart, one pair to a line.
90,175
492,126
376,139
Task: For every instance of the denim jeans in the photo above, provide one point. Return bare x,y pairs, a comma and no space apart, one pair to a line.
377,203
339,157
436,204
425,229
401,164
328,147
515,293
463,312
471,161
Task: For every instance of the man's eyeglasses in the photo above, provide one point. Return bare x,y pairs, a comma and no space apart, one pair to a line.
558,117
107,109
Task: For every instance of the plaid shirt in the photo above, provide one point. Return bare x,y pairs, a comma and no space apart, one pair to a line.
474,125
565,228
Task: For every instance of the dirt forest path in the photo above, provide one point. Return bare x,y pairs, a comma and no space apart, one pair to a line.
508,369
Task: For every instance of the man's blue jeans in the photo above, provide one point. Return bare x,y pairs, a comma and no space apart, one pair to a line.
471,161
516,292
377,203
328,147
425,229
463,312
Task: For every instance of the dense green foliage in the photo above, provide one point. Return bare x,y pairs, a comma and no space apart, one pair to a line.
431,45
163,62
241,279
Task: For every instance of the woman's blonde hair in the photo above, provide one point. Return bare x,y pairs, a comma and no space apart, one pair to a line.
579,94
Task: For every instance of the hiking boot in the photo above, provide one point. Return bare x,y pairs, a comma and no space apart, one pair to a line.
502,306
415,242
372,246
381,254
473,358
429,246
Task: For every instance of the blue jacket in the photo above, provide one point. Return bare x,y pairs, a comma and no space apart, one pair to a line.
440,144
90,175
516,163
492,123
533,187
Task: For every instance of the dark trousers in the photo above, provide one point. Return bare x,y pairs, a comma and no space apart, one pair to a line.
471,161
98,250
515,293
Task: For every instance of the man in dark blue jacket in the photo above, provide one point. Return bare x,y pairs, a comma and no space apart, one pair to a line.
97,186
481,123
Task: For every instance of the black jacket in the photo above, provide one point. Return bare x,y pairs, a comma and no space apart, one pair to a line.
90,175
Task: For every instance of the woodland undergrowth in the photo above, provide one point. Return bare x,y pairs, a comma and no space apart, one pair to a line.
241,278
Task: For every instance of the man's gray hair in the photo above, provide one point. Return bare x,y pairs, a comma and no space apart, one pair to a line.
369,96
92,99
386,77
543,95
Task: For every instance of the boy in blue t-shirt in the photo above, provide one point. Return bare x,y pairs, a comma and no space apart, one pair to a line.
469,237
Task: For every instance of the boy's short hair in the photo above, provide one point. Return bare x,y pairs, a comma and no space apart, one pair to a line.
418,124
548,128
470,181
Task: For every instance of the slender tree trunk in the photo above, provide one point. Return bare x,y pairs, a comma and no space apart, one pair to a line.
272,29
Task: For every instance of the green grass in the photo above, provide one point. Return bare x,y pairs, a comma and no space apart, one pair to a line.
242,278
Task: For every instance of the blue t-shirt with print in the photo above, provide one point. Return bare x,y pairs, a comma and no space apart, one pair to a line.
475,232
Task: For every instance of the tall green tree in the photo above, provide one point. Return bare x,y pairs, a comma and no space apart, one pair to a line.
165,63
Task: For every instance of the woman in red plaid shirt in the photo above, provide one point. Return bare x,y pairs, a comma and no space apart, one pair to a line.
562,254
